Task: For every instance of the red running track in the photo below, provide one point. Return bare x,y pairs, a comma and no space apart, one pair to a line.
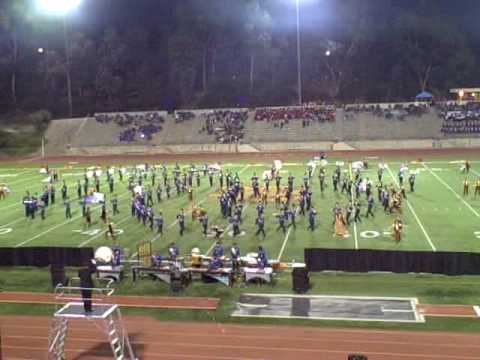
26,338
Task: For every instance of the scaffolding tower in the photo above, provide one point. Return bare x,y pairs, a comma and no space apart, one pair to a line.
105,316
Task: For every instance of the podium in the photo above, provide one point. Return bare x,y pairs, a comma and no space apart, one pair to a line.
105,316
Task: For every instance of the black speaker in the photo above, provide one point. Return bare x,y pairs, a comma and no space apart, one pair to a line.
300,280
357,357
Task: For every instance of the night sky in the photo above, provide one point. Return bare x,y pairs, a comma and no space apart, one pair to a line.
94,15
137,54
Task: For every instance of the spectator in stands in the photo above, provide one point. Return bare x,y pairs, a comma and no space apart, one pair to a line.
139,125
226,125
307,114
392,111
460,118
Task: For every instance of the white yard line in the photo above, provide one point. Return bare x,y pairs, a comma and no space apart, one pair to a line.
200,202
188,212
32,179
11,223
453,191
121,221
353,200
15,172
20,205
287,235
412,210
229,226
225,232
282,249
102,233
475,172
9,206
62,224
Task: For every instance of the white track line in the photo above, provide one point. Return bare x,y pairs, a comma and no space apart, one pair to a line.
453,191
414,213
352,200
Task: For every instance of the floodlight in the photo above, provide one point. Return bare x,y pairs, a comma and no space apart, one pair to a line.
328,53
57,7
40,50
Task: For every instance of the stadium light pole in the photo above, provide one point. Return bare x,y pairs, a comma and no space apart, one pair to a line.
62,8
299,57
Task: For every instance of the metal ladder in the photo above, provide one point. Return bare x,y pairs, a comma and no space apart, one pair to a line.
56,339
118,337
108,320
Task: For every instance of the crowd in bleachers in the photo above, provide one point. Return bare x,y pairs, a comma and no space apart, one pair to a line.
280,117
460,118
226,125
138,125
390,112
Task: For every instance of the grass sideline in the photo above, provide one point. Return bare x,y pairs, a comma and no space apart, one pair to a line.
429,289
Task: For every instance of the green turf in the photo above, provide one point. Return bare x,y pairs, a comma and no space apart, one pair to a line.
437,216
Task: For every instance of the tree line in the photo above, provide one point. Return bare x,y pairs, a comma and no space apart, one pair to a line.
194,53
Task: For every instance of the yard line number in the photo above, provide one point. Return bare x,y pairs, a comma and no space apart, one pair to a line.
93,232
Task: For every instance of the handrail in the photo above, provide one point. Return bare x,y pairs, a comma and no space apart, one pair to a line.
105,291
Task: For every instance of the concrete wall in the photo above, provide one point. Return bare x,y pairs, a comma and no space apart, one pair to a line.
162,149
274,147
294,146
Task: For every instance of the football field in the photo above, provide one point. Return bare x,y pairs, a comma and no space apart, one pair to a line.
437,216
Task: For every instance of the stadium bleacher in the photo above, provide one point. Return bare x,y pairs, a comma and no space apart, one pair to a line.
367,122
460,118
140,126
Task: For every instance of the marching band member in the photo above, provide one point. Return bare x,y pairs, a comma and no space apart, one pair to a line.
397,229
311,219
411,181
173,251
181,221
215,264
262,258
218,249
477,187
235,255
157,259
196,258
260,222
204,222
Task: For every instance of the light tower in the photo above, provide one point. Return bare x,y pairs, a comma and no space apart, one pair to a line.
62,8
